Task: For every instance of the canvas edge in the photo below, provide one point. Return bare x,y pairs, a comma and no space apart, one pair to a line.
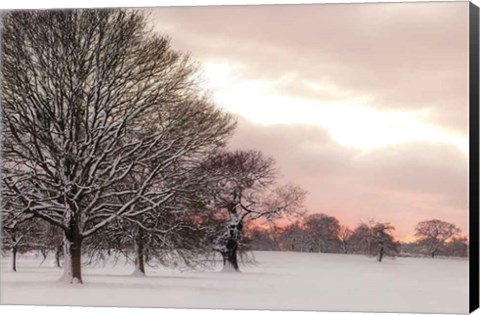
474,117
474,221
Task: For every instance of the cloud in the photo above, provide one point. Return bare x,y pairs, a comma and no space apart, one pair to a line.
404,55
359,59
403,184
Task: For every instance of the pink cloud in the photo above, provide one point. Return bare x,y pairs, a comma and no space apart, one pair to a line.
404,56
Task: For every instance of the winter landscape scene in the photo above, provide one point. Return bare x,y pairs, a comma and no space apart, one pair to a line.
284,157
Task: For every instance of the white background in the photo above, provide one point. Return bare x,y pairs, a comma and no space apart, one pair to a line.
56,310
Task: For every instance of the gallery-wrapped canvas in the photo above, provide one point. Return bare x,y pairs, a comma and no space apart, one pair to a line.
318,157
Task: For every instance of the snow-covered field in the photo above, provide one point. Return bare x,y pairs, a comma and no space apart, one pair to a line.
287,281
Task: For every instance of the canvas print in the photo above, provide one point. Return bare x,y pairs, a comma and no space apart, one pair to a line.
285,157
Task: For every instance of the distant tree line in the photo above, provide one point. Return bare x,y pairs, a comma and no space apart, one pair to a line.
321,233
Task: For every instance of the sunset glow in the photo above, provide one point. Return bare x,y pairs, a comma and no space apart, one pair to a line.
351,122
369,116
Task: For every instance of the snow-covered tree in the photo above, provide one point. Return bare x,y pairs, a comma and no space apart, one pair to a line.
322,232
22,233
293,237
92,99
52,240
433,234
173,236
361,239
245,192
14,236
386,244
374,239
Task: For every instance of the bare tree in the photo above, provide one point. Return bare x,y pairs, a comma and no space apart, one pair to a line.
384,239
23,233
434,233
174,236
245,192
322,232
361,240
14,236
53,242
90,99
374,239
293,237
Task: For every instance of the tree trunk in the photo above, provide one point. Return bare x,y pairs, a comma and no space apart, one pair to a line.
381,249
43,251
380,254
14,258
230,259
72,265
344,248
58,252
139,255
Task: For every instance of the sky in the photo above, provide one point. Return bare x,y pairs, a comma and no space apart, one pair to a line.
365,106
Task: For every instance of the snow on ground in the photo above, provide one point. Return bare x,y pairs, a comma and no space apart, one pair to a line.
280,280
